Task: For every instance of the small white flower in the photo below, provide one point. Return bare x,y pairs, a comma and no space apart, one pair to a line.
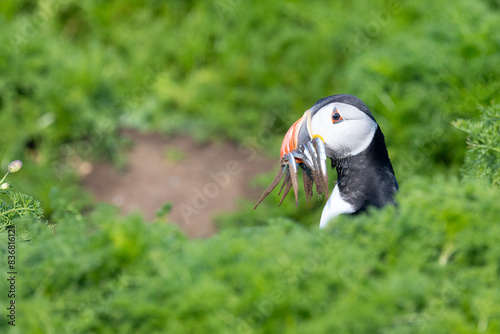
14,166
4,186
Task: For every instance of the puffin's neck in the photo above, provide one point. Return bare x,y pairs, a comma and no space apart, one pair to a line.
367,179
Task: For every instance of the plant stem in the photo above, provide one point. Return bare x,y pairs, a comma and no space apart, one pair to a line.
18,209
496,149
4,177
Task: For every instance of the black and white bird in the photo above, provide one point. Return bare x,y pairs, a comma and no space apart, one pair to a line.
341,128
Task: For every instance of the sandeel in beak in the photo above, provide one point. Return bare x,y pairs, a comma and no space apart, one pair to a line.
301,148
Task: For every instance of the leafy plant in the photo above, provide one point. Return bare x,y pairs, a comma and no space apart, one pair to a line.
482,159
21,205
429,266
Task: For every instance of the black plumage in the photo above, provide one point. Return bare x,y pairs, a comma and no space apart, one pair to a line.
367,179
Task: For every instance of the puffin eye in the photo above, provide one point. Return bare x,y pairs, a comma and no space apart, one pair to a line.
336,118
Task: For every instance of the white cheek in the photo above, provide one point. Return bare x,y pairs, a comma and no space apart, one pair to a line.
352,136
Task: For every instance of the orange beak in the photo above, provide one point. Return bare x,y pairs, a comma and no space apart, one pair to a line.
291,139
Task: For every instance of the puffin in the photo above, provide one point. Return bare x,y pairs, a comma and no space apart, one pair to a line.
340,128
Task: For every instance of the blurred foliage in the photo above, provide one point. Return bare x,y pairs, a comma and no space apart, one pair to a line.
72,73
482,159
430,266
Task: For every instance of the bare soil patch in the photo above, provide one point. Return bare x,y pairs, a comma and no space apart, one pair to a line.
200,180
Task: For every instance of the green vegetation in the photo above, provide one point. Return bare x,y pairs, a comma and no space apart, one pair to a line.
18,205
482,160
73,73
430,266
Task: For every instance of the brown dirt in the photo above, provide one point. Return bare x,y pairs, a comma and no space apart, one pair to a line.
199,180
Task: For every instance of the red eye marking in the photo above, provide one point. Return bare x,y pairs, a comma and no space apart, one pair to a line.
336,118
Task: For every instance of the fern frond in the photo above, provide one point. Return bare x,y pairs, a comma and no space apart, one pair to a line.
482,159
22,205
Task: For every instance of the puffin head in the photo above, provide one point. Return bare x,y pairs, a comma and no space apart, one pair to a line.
341,128
343,123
